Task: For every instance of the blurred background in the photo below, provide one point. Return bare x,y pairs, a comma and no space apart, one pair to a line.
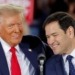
36,11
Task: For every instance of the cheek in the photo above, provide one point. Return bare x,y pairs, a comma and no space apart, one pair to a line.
61,38
5,33
21,28
65,41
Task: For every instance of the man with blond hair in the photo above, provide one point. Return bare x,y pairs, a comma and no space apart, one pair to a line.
15,59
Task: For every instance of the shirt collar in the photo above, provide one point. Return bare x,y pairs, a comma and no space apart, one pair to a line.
65,55
6,46
73,53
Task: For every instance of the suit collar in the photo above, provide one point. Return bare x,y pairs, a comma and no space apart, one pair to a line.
3,63
30,54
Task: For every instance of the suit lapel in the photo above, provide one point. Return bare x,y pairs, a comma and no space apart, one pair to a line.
3,63
30,54
60,66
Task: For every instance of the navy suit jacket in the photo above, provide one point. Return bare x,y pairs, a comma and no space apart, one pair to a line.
55,66
31,55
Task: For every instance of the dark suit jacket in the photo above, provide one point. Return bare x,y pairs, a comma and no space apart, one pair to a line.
55,66
32,56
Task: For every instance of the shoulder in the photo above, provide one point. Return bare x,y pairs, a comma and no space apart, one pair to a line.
50,65
53,60
33,42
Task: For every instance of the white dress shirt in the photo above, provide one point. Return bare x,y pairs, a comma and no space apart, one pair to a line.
26,67
66,64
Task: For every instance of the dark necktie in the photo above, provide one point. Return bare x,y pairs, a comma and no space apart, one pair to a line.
15,68
71,66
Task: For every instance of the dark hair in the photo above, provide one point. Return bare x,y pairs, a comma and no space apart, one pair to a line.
64,19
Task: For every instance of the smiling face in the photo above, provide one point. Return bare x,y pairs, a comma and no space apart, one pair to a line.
59,41
11,29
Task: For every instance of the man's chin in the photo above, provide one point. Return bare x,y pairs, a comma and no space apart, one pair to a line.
56,52
16,42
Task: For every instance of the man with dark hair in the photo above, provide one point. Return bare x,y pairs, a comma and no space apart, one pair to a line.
60,33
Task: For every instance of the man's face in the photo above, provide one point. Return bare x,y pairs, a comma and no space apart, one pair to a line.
57,39
11,29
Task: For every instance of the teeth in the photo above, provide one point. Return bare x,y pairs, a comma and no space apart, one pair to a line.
16,36
54,46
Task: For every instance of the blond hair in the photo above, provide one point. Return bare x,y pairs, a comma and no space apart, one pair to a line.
12,10
9,9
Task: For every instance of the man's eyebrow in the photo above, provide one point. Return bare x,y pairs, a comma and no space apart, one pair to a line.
52,34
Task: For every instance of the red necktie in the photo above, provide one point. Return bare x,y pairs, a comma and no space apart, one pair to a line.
15,68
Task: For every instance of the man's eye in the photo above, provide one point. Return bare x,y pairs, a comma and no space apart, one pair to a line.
47,36
10,26
55,35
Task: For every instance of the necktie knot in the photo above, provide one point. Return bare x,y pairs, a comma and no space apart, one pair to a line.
12,49
69,58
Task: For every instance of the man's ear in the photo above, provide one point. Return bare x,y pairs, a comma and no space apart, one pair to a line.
70,32
0,28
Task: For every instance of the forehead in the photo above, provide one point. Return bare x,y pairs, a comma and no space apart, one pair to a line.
52,27
6,20
14,18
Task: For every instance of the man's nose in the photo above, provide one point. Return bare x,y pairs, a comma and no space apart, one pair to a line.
16,28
